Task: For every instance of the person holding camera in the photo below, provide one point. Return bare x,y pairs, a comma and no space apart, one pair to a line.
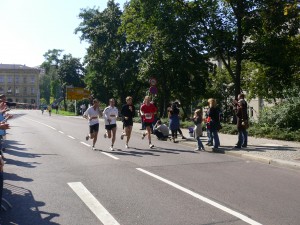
241,112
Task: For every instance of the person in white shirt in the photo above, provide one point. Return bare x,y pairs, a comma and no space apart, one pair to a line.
92,114
110,115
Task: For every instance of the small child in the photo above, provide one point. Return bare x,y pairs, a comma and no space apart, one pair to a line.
198,128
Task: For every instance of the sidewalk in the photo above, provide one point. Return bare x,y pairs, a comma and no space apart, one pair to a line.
274,152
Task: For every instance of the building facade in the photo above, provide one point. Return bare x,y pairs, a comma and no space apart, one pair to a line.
20,83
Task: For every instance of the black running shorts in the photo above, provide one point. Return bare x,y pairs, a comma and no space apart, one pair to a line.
94,128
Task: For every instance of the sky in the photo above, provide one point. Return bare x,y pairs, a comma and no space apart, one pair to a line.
29,28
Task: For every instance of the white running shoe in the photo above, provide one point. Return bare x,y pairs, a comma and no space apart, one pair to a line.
105,135
126,146
122,136
111,148
151,146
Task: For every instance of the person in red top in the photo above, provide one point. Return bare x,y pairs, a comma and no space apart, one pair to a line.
148,110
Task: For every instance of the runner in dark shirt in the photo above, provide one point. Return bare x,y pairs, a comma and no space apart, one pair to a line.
128,112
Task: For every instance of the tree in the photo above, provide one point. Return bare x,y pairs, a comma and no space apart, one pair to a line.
172,51
70,72
112,63
49,81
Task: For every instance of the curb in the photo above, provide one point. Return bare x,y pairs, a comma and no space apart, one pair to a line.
267,160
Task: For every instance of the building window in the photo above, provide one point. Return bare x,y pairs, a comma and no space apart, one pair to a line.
25,100
9,90
1,79
25,90
24,80
17,91
32,90
17,79
32,101
32,79
9,79
1,90
17,100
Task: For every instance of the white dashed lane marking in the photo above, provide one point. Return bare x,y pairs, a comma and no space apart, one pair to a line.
85,144
71,137
93,204
202,198
110,155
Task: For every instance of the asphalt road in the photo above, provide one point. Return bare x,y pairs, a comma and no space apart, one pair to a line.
52,176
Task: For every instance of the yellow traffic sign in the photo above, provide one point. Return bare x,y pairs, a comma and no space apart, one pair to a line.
77,93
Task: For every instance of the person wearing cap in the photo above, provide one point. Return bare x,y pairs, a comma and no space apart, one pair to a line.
242,121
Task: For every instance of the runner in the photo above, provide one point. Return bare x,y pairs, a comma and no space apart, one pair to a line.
148,110
110,114
128,112
92,114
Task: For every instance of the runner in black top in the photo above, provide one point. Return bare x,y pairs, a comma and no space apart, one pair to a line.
128,112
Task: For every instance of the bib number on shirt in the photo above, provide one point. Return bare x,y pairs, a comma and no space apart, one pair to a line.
148,116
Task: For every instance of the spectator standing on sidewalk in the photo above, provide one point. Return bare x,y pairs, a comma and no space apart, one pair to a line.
173,113
209,137
214,114
198,128
147,111
242,121
128,112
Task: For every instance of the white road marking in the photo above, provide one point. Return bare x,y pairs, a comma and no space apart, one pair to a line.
93,204
110,155
71,137
61,132
202,198
42,124
85,144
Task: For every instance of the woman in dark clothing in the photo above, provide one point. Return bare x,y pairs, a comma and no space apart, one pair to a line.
128,112
242,121
173,113
214,114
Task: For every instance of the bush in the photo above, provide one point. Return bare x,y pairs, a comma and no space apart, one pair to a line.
284,115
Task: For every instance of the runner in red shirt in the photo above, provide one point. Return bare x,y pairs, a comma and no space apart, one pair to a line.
148,110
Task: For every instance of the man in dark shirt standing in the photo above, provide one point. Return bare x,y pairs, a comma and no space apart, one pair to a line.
241,110
128,112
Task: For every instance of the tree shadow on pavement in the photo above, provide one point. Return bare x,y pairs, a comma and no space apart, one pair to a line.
25,208
260,148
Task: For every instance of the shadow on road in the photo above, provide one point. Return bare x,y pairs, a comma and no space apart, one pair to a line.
262,148
25,209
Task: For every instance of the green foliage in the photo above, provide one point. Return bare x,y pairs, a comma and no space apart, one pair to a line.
262,131
112,63
172,51
283,115
43,101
